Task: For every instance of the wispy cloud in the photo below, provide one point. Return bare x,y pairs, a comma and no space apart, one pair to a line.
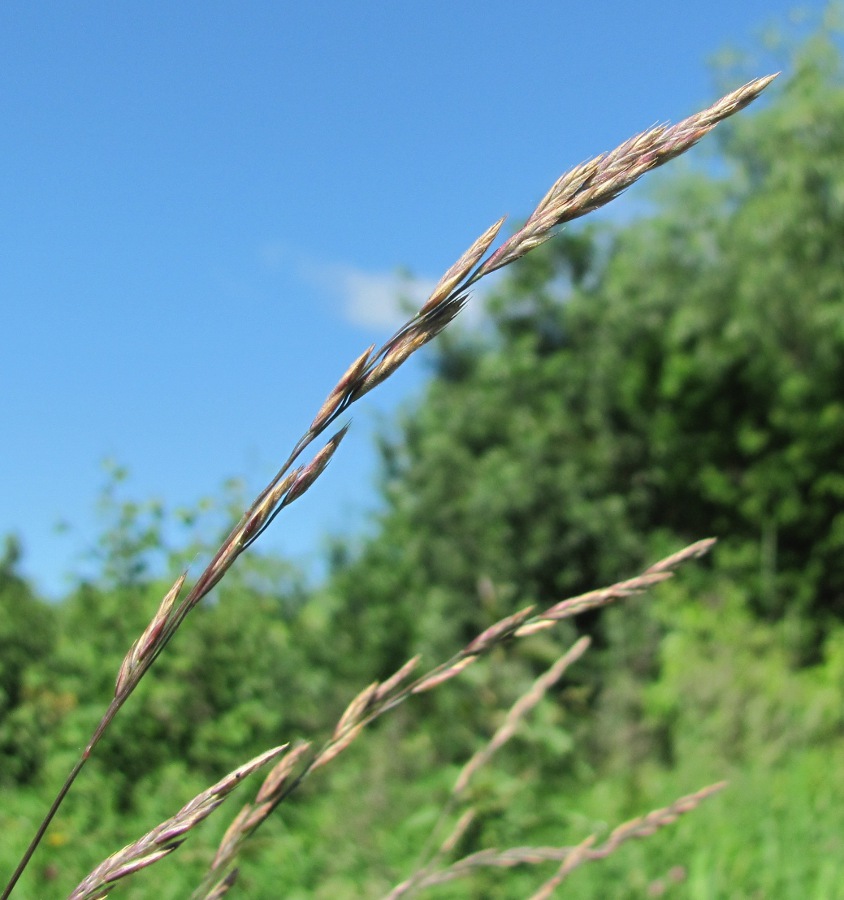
380,300
372,299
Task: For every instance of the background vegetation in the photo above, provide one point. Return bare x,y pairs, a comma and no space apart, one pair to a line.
639,385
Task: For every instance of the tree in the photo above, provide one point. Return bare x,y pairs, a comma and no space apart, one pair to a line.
641,384
27,634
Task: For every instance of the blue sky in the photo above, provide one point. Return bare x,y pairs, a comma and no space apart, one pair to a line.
205,206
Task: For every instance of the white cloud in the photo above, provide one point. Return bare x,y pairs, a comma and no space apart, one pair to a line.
367,299
373,299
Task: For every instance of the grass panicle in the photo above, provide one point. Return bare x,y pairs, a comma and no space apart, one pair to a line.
168,836
580,191
642,827
379,698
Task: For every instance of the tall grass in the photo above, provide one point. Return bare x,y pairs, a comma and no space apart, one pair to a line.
578,192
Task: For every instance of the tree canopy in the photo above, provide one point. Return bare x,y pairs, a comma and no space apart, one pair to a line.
640,384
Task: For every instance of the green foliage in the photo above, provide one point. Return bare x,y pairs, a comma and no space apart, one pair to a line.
640,386
737,692
643,384
26,635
